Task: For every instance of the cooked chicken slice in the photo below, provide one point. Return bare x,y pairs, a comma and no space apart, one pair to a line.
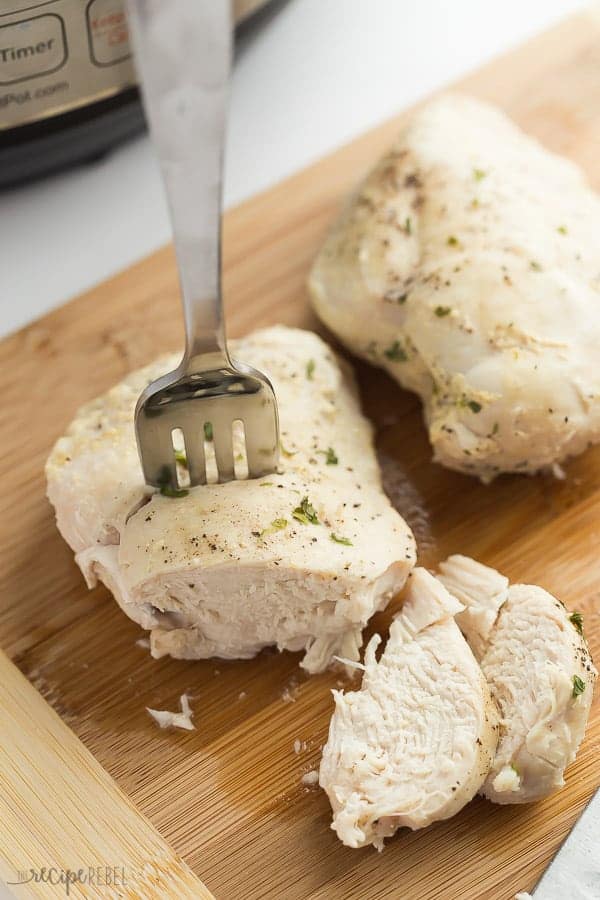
535,659
301,559
482,591
415,743
467,266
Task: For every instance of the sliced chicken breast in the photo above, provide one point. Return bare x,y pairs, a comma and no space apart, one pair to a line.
415,743
537,664
467,267
301,559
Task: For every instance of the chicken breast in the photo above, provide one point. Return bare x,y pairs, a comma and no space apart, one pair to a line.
301,559
415,743
535,659
467,267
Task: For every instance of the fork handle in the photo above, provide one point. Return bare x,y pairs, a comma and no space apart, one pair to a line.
183,54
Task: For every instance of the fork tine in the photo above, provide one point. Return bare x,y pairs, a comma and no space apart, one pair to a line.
194,448
223,442
261,450
158,456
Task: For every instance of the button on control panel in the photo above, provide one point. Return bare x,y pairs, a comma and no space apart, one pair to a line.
108,33
32,47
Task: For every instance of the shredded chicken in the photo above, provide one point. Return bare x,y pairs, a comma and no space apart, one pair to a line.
168,719
534,656
415,743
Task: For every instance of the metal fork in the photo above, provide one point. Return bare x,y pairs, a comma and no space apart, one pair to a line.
183,54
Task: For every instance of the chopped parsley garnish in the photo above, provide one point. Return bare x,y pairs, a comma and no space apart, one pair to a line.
340,540
479,174
515,770
535,265
442,311
474,406
453,241
408,226
577,620
396,352
562,229
208,431
578,686
168,491
330,456
266,484
306,513
287,452
276,525
166,487
310,369
180,457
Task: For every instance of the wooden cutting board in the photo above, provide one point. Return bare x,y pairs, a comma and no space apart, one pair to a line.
228,796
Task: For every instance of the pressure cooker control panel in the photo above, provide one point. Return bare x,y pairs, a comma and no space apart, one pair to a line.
59,55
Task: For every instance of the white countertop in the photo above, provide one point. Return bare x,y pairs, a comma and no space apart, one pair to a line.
306,80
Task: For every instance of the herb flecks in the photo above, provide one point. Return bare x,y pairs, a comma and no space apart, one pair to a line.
310,369
396,352
166,486
495,429
330,455
340,540
474,406
408,225
306,513
479,174
576,620
442,311
285,451
180,457
168,490
208,431
276,525
535,266
562,229
578,686
453,241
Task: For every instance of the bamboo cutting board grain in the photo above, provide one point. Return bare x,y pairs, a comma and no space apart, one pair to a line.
228,797
47,774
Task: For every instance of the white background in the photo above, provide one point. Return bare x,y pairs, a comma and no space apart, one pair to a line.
306,80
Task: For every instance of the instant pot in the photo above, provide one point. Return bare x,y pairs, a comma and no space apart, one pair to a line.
68,89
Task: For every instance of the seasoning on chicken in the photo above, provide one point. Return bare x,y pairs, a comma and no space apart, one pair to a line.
537,664
467,267
415,743
301,559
